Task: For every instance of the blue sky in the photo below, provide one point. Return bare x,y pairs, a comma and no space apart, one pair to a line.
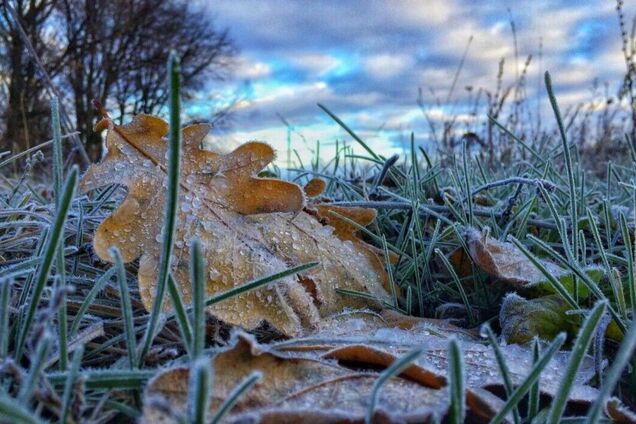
365,60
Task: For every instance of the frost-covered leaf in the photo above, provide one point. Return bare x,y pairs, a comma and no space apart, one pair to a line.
618,412
328,376
247,226
336,336
523,319
294,388
314,187
505,261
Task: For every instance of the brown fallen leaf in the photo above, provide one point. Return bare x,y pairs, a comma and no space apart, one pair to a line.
619,412
314,187
376,343
327,377
247,226
293,388
505,261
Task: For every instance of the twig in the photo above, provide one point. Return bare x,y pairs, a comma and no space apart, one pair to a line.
515,180
33,149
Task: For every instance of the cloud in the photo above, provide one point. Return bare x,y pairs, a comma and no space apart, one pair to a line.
384,66
366,59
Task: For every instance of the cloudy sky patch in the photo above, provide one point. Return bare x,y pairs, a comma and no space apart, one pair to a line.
366,60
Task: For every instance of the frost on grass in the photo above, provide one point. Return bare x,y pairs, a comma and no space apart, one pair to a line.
248,227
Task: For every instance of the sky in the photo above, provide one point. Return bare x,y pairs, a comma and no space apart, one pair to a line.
366,59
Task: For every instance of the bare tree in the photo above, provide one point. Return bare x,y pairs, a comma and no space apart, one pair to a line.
25,114
116,51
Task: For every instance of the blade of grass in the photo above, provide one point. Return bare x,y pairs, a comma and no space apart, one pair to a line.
172,201
197,268
90,297
258,283
180,314
457,383
623,356
391,371
35,369
235,395
199,391
126,308
13,412
527,384
351,133
534,396
467,185
58,175
35,149
554,282
568,164
580,348
501,363
106,379
51,245
70,383
460,287
629,256
5,298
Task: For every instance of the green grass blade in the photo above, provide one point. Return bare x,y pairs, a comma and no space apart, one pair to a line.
458,284
35,369
180,314
350,131
623,356
70,383
172,201
90,297
568,164
58,175
396,368
580,348
467,185
235,395
197,269
457,383
534,396
5,298
527,384
58,163
501,363
258,283
107,379
52,243
554,282
199,391
126,307
14,412
629,256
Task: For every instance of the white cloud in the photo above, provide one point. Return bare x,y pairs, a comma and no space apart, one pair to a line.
316,63
384,66
389,49
247,69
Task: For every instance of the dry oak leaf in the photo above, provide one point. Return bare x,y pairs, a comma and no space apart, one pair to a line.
505,261
377,340
248,227
327,377
294,389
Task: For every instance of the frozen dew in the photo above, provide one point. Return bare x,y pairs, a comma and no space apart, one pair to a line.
214,274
